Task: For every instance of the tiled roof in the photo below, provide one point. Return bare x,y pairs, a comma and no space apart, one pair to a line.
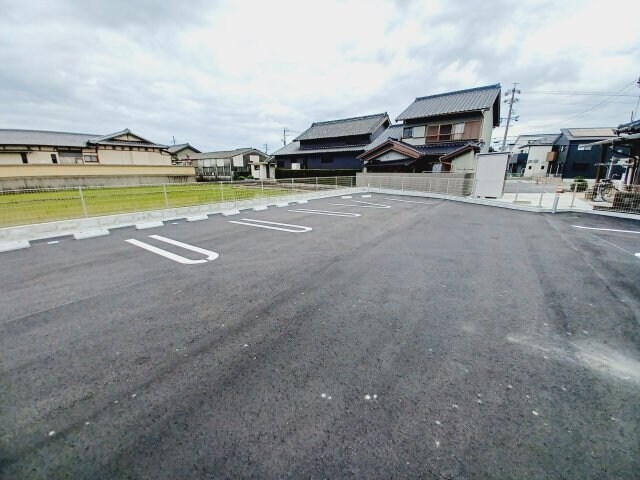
393,131
632,127
344,127
180,147
223,153
293,148
40,137
541,140
441,148
66,139
472,99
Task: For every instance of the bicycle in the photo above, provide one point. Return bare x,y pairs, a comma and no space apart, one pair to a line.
606,190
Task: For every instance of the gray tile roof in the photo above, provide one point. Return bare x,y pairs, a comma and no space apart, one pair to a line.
541,140
67,139
469,100
344,127
40,137
180,147
225,153
293,148
393,131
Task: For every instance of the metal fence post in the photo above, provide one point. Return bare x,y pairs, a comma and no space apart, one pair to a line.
448,180
540,201
262,188
221,193
402,183
84,206
316,184
515,200
575,189
166,197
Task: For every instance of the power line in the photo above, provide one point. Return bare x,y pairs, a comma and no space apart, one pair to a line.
596,105
599,94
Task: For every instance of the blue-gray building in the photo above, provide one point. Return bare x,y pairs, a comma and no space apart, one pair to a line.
335,144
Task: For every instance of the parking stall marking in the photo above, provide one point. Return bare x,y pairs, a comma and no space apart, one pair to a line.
272,225
326,212
606,229
407,201
210,256
365,205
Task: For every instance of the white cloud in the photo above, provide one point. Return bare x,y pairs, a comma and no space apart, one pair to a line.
234,74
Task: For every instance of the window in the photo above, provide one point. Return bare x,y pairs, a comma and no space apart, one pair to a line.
54,158
90,159
445,132
432,133
542,167
326,159
23,155
458,131
407,132
529,167
256,167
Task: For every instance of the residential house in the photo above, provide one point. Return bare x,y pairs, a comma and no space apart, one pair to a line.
518,159
232,164
441,132
36,158
335,144
576,154
182,153
539,156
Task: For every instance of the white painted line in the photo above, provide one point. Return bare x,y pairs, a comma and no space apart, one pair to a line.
260,208
346,196
172,256
612,244
365,196
210,255
198,218
53,242
606,229
145,225
365,205
637,255
230,212
407,201
282,204
270,225
14,245
326,212
91,234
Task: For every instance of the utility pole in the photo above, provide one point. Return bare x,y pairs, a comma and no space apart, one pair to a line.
284,136
174,140
266,148
510,101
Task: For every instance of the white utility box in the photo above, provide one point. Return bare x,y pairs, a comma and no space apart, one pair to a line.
490,174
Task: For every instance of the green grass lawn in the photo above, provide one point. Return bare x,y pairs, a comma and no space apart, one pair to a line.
20,208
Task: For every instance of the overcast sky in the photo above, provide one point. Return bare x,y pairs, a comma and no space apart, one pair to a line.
229,74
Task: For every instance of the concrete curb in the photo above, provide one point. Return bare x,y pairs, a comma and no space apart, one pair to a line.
63,228
14,245
91,234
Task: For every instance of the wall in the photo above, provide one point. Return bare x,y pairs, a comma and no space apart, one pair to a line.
420,126
313,161
391,156
54,176
466,162
10,158
537,159
132,157
487,130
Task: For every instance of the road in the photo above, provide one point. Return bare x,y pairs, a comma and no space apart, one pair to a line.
430,339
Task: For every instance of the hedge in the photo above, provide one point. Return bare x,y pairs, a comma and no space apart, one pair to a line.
309,173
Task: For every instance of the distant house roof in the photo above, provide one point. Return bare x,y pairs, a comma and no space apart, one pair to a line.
540,140
178,148
344,128
67,139
392,131
588,133
226,153
293,148
41,137
469,100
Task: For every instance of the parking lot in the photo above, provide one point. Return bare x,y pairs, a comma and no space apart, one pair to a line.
374,337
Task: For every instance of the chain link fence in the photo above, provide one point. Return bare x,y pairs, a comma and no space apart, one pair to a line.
23,207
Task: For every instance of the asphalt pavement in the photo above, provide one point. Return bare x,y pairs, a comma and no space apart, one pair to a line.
429,339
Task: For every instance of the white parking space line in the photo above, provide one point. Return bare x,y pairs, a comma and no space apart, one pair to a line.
606,229
272,225
210,256
366,205
326,212
612,244
407,201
